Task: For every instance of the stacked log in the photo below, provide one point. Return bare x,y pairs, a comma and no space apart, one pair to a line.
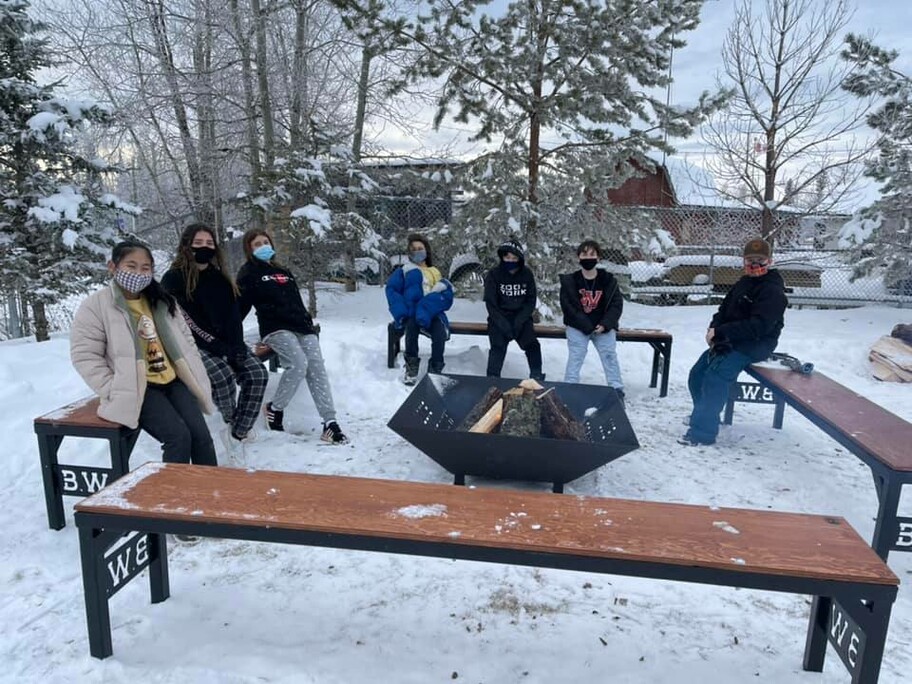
524,411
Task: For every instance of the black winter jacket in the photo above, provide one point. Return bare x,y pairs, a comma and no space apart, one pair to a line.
273,292
751,316
212,313
605,301
510,299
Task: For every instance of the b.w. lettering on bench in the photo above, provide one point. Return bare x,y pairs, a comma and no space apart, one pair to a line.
847,638
82,480
873,434
79,419
753,393
126,561
853,589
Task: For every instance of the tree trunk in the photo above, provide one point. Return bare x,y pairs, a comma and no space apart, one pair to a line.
250,109
166,61
42,333
351,274
15,321
299,76
262,67
205,115
311,283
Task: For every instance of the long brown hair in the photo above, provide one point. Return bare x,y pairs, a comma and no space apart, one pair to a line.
186,264
252,235
417,237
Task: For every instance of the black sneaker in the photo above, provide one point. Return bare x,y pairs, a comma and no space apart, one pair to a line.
187,539
274,418
333,434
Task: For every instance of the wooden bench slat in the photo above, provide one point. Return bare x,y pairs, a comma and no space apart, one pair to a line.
83,412
879,432
766,542
559,331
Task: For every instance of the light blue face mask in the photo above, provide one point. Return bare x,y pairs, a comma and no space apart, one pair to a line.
418,257
264,252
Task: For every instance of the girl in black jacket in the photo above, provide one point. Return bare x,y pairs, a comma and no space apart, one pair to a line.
287,328
209,299
510,296
592,304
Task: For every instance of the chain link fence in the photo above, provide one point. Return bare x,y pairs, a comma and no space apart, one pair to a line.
701,259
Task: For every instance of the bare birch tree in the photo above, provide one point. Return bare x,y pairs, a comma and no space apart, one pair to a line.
789,135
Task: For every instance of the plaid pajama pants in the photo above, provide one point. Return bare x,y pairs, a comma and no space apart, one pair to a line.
239,410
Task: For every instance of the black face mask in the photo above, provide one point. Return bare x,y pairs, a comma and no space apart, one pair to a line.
203,255
588,264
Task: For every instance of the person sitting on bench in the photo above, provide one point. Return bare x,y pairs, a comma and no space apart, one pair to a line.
287,328
198,279
418,296
130,344
745,329
510,297
592,304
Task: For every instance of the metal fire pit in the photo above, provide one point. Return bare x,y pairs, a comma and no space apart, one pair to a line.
428,420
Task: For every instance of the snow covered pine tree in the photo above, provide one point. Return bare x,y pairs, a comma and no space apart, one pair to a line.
56,221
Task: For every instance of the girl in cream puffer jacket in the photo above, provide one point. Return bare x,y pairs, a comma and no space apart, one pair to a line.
130,344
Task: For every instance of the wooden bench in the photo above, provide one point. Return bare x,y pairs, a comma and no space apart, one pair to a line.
879,438
659,340
815,555
79,419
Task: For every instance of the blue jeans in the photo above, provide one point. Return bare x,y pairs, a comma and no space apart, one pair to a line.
606,346
709,382
437,334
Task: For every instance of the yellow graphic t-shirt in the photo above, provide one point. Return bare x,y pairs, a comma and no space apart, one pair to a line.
159,370
431,277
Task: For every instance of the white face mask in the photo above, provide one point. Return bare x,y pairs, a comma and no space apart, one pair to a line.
134,283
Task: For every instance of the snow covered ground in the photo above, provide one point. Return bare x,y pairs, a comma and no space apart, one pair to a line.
253,612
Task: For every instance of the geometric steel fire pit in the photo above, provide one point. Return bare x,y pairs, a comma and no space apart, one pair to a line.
439,403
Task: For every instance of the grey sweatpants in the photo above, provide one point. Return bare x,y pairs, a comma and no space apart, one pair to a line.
301,358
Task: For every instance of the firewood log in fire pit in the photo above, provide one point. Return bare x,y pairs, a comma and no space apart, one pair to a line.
482,407
524,411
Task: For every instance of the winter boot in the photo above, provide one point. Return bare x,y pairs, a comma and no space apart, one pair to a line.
274,418
436,367
411,370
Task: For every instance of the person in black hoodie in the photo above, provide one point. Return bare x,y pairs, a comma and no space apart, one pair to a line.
510,296
209,299
745,329
287,328
592,304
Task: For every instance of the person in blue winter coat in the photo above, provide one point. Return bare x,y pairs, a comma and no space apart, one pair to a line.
418,296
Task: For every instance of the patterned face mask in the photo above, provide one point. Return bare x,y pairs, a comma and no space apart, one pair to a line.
134,283
754,266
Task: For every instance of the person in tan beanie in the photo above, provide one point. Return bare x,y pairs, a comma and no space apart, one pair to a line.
745,329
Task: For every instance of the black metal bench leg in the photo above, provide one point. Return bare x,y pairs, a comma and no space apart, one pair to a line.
48,445
654,373
876,638
816,644
888,493
121,448
159,583
98,618
729,417
666,370
392,345
779,412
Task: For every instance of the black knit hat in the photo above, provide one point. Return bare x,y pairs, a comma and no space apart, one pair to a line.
512,247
